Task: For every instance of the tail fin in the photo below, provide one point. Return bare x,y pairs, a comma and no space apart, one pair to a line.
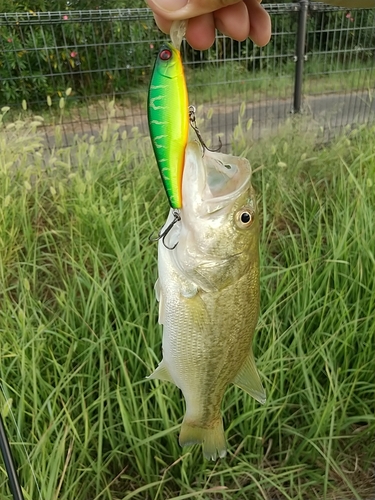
213,438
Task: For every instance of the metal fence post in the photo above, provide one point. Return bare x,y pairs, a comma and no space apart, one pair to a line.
300,54
14,483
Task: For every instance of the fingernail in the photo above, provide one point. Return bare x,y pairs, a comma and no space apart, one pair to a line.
170,5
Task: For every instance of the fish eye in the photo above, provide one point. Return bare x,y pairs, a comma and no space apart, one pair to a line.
165,54
244,218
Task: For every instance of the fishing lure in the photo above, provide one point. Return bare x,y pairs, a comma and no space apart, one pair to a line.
168,119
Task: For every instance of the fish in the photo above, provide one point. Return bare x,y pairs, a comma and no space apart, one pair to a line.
168,119
208,293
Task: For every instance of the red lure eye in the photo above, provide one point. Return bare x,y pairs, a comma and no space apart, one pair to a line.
165,54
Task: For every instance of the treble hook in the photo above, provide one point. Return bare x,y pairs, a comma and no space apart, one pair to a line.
162,235
194,126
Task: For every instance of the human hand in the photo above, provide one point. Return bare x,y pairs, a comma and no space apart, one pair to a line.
237,19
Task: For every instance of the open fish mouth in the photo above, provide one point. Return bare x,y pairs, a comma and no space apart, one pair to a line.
225,175
212,184
212,178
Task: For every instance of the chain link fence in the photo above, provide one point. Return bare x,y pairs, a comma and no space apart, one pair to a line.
68,66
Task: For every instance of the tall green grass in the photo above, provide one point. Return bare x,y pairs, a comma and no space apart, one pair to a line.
79,333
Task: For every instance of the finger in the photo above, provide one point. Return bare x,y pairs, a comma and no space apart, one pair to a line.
184,9
164,24
260,23
233,21
200,32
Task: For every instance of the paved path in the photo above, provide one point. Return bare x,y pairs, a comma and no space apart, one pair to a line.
331,111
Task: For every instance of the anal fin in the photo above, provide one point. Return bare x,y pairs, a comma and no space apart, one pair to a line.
248,379
161,373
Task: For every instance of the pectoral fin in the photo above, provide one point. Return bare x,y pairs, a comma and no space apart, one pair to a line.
248,380
157,290
161,373
159,298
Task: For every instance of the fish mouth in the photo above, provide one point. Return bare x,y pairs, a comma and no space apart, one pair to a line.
212,179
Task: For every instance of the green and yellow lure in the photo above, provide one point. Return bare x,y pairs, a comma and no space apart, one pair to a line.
168,119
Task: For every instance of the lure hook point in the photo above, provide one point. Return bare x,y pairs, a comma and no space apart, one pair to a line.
193,124
162,235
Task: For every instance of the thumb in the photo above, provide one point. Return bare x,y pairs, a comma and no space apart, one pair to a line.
185,9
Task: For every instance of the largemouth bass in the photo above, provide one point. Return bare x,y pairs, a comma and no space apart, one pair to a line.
168,119
208,292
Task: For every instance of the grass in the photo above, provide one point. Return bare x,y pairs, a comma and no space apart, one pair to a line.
79,334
